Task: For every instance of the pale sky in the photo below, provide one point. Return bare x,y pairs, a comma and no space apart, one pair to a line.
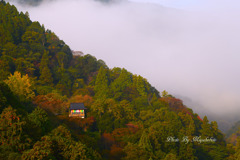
198,5
181,4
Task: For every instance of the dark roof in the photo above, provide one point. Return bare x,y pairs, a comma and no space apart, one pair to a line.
77,106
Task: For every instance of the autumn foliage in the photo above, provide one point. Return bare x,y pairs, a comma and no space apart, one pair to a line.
51,103
20,85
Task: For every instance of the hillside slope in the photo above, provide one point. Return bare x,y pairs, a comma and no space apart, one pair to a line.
126,118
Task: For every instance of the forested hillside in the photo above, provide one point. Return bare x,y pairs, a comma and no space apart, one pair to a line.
233,133
127,118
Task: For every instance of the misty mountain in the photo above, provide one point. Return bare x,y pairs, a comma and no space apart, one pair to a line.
235,128
192,53
233,134
226,122
127,117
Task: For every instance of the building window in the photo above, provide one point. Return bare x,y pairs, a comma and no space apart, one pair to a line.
77,111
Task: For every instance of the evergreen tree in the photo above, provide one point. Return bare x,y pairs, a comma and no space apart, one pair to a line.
138,81
39,118
62,59
46,75
101,88
11,130
120,84
171,156
206,131
6,65
165,93
144,142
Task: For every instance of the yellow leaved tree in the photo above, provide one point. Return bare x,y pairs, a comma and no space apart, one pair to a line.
20,86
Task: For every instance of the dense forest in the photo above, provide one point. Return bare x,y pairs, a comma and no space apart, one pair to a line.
233,133
127,118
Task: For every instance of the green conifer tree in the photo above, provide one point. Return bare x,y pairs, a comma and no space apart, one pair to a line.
120,84
138,81
101,85
206,131
46,75
144,142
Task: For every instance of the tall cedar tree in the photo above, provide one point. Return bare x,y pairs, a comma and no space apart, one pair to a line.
101,85
120,84
46,75
206,131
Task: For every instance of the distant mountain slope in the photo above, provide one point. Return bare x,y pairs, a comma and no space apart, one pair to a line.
233,133
233,129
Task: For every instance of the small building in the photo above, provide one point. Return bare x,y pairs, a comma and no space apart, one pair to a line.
77,110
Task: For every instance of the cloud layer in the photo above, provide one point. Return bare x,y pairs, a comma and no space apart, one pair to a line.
189,53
